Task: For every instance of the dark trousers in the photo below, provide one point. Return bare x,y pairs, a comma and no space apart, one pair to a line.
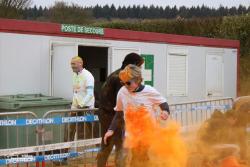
116,140
83,129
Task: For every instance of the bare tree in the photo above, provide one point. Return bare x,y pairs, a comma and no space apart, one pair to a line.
13,8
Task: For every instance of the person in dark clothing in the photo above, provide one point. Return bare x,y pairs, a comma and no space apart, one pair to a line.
107,102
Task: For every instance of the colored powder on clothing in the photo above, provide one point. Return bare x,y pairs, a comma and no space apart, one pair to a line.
153,144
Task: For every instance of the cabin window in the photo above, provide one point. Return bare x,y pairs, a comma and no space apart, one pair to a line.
177,75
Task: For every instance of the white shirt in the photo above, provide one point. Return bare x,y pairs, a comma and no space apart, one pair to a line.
149,97
83,89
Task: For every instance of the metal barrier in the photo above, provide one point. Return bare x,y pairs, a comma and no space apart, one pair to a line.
191,114
57,142
80,125
15,134
52,144
8,121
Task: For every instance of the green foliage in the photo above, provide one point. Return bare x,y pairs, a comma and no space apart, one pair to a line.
61,12
208,27
237,27
156,12
233,27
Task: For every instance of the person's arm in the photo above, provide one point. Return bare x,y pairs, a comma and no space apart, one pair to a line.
165,112
118,119
117,122
165,107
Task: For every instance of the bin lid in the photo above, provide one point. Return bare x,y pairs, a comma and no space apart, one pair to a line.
13,102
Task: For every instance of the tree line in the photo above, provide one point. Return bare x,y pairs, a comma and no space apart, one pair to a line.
152,12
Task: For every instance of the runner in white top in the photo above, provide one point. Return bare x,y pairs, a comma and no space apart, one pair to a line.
148,97
133,93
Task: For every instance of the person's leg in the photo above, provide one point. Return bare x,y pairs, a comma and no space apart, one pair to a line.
72,129
105,150
97,127
80,127
120,157
69,133
85,130
104,153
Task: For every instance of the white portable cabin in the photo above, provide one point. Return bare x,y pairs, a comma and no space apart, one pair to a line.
35,58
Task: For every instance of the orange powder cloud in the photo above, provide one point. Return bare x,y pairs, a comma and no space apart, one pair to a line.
153,144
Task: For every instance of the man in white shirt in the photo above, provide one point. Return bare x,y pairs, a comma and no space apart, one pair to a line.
83,96
83,85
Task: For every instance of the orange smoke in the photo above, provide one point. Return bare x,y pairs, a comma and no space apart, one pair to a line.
153,144
230,161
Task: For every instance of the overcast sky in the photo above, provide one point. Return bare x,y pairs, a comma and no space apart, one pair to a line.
178,3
